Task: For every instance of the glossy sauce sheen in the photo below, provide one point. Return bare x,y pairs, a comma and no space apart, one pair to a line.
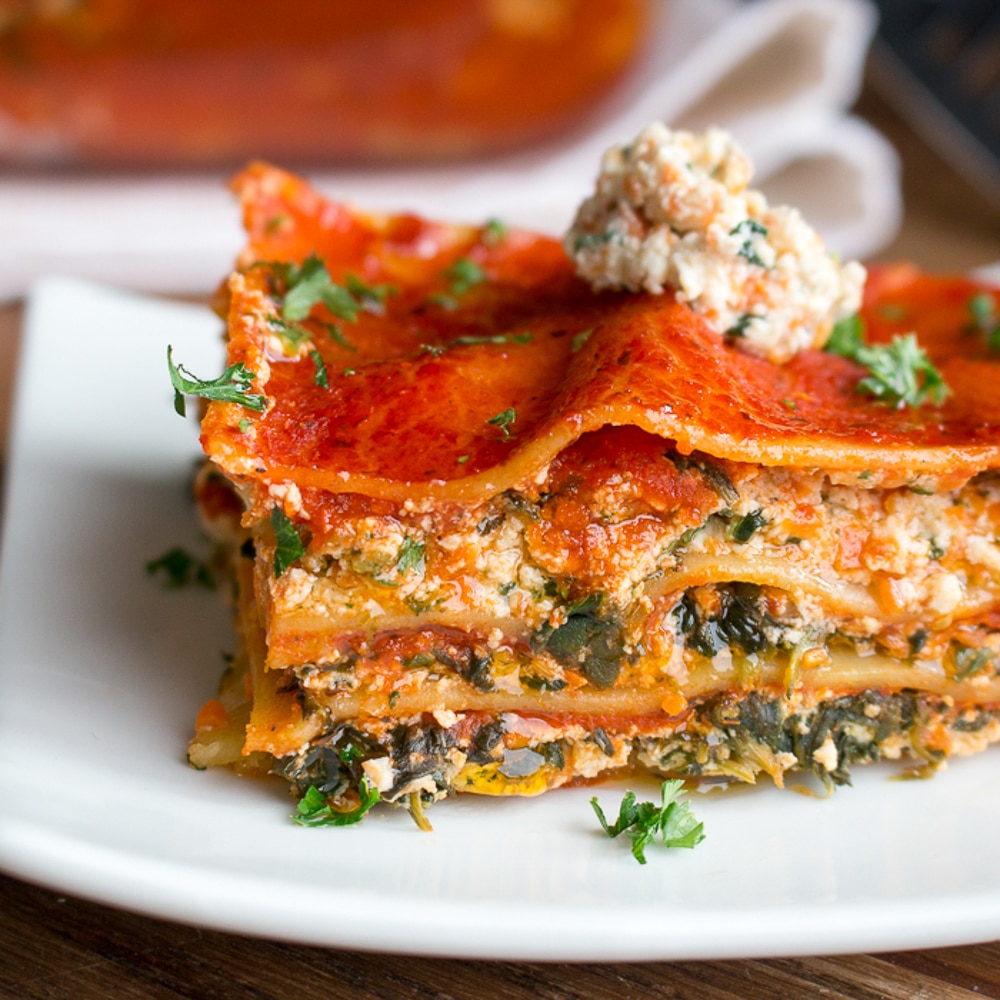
207,81
409,407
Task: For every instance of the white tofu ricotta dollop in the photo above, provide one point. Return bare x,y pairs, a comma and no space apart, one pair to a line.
673,210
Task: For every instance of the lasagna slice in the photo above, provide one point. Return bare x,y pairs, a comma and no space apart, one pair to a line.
493,531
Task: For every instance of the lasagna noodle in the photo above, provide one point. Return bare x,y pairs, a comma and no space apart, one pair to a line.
549,534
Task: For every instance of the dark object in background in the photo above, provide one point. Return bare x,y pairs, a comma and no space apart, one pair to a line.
938,61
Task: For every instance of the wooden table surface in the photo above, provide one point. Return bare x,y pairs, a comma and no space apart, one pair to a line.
52,946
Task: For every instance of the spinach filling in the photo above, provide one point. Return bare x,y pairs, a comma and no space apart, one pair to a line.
736,616
737,737
591,640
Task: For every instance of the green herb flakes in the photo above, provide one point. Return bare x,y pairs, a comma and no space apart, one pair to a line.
983,310
320,378
504,420
846,337
463,275
180,568
748,229
900,373
369,297
672,821
495,338
579,339
288,544
313,809
309,284
232,386
743,528
339,337
739,328
291,335
494,232
411,557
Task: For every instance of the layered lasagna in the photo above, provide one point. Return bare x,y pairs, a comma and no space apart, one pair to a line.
492,529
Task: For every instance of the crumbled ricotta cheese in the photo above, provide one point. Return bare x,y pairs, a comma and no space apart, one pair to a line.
826,754
673,209
379,772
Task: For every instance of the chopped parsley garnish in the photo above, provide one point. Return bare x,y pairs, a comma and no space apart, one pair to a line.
320,378
307,285
504,420
579,339
370,297
495,338
313,809
278,222
338,336
463,275
739,328
180,569
899,373
846,337
410,557
672,821
748,229
494,232
587,240
288,545
985,320
232,386
448,302
291,335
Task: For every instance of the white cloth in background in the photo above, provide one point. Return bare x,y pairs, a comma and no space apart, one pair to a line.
778,73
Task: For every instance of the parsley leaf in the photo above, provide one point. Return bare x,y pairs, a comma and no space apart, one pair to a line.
496,338
313,810
900,373
672,820
748,229
739,328
291,335
289,545
230,387
180,569
370,297
494,232
985,320
339,337
320,378
846,337
308,284
410,557
504,420
463,274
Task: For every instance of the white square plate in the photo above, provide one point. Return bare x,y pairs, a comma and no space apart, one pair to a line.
102,672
